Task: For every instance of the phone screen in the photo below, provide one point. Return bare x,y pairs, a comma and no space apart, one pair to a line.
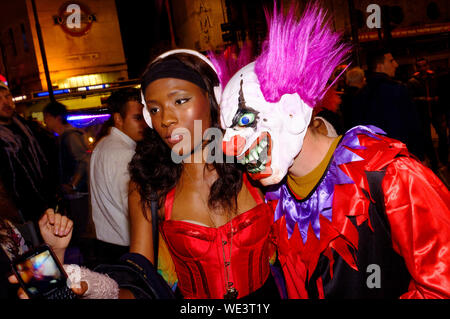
40,273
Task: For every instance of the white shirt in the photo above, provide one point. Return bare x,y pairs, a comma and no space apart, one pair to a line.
109,178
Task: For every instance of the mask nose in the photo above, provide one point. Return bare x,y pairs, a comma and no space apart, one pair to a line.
234,146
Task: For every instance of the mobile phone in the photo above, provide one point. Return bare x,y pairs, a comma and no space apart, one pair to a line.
41,275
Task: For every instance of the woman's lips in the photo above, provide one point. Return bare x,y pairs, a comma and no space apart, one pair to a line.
174,139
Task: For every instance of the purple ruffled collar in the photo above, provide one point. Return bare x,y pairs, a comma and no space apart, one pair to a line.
307,211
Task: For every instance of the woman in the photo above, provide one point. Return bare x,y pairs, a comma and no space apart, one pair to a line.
215,223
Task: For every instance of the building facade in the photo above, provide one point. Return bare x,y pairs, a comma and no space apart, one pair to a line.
82,42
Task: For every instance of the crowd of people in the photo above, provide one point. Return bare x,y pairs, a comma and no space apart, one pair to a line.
307,190
406,111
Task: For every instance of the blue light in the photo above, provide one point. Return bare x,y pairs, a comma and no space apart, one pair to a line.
85,120
55,92
96,87
86,117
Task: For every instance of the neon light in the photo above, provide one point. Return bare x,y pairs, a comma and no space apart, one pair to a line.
93,87
86,117
96,87
61,91
55,92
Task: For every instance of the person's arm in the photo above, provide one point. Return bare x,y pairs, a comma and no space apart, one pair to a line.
141,233
101,286
141,237
418,209
141,240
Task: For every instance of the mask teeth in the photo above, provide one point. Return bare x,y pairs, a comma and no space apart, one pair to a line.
257,157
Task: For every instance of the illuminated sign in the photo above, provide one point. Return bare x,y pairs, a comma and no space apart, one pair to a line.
75,18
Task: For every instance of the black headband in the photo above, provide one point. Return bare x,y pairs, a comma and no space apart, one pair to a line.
172,68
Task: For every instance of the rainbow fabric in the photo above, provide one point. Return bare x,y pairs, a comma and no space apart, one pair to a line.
166,267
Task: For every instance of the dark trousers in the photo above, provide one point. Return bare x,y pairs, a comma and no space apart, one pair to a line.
78,210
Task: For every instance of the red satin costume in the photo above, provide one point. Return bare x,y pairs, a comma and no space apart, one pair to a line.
405,229
198,251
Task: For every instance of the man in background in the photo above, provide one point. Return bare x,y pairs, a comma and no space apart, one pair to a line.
110,177
424,88
24,168
355,80
386,103
73,164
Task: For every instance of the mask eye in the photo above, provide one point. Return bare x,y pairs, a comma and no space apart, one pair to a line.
246,119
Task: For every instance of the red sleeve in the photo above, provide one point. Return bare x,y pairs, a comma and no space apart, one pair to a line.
274,233
418,210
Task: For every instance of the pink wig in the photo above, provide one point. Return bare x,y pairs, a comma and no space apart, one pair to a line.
299,56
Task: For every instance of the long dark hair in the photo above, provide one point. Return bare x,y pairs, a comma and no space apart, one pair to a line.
152,168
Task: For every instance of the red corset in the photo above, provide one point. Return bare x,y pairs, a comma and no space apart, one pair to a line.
198,251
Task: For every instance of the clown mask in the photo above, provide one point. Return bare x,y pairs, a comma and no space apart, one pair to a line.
265,137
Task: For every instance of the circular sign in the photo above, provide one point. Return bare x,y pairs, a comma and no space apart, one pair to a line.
75,18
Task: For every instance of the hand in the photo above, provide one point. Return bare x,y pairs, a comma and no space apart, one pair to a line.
56,230
79,291
20,292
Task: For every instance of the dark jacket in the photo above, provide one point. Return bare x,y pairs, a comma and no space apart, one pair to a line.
346,107
387,104
74,158
24,169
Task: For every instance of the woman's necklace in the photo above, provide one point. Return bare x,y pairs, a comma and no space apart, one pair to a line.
231,292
